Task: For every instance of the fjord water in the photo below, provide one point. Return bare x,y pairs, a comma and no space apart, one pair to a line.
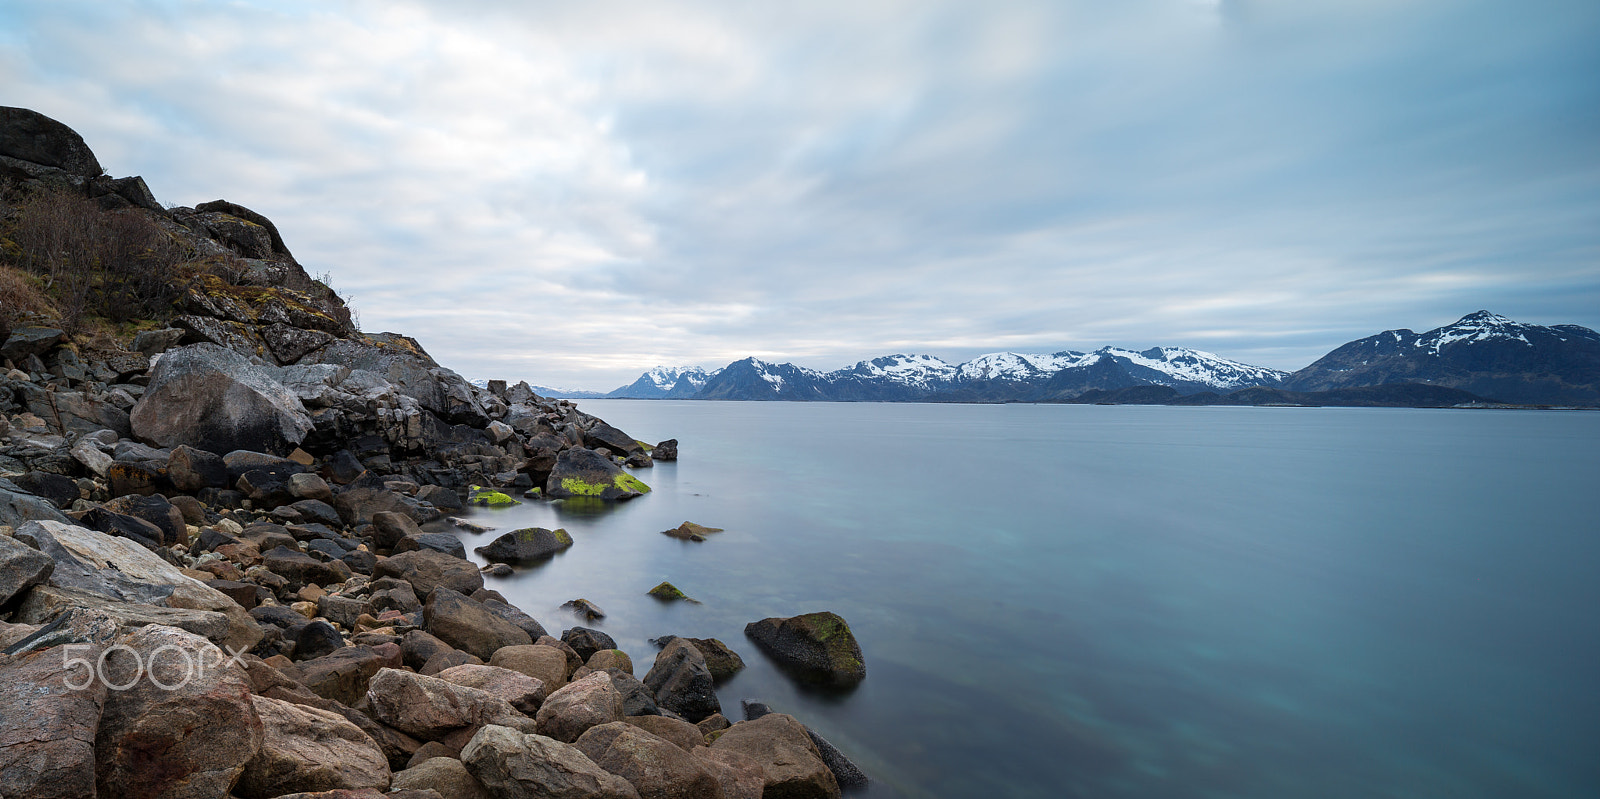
1091,601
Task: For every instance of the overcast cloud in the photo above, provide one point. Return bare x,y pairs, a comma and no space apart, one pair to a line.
570,193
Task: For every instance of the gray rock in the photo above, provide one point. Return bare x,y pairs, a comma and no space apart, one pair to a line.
306,749
509,763
682,683
21,568
31,136
584,473
430,708
46,602
466,625
212,398
529,543
523,692
815,646
438,542
656,768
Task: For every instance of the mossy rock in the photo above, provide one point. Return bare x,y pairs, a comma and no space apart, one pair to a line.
580,473
668,592
483,497
528,543
689,531
817,647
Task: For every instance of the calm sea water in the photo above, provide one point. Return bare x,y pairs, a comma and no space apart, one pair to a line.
1068,601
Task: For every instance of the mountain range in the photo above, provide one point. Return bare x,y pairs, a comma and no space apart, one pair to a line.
1482,357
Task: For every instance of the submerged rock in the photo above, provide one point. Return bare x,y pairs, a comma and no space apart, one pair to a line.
819,646
585,473
689,531
529,543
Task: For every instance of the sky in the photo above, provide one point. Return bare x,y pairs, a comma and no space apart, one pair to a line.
572,192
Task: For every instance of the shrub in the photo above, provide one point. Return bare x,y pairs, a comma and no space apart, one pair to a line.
18,297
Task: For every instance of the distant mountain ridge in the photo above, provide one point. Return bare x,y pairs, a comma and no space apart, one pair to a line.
1483,356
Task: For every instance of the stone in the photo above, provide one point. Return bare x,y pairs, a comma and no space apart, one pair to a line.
131,477
342,610
845,771
584,473
60,490
134,529
816,646
309,486
523,692
513,614
48,730
368,495
529,543
637,700
740,776
192,470
438,542
722,661
417,646
666,450
21,568
316,639
678,732
446,775
306,749
429,708
667,592
577,706
544,663
681,682
46,602
509,763
689,531
655,767
267,488
713,723
17,507
447,660
178,730
86,453
790,762
315,511
605,660
586,642
31,136
401,597
26,341
584,608
468,626
155,342
426,570
157,510
343,674
301,569
211,398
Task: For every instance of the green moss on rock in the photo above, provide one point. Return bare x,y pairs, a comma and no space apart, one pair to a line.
667,591
494,499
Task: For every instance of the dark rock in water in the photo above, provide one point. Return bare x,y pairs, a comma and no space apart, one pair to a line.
499,570
438,542
818,646
722,661
468,625
754,710
316,639
681,682
585,473
513,614
191,469
586,642
666,450
604,435
60,490
529,543
426,570
584,608
212,398
31,136
689,531
667,592
845,772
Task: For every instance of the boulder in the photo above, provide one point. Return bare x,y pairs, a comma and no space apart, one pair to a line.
605,660
17,507
48,730
604,435
585,473
577,706
447,660
417,646
467,625
678,732
790,763
192,470
740,777
45,602
306,749
446,775
122,570
666,450
426,570
21,568
301,569
513,614
681,682
211,398
156,510
307,486
656,768
523,692
689,531
722,661
816,646
429,708
316,639
343,674
59,489
586,641
391,527
510,763
584,608
637,700
529,543
184,727
438,542
544,663
31,136
137,530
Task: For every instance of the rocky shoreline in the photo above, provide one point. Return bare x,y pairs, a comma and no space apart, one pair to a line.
222,564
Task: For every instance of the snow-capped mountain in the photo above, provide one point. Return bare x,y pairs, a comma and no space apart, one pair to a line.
752,379
665,382
1182,365
1484,353
1017,366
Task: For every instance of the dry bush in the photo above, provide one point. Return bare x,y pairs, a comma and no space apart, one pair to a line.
19,297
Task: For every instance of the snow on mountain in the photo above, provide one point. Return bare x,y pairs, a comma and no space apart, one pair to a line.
1195,366
1017,366
919,371
1476,327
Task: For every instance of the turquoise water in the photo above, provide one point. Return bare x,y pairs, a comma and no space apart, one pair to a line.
1093,601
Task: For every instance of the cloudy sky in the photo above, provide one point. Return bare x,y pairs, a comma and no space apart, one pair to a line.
571,192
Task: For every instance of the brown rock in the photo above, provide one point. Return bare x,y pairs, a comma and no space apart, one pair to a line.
467,625
429,708
47,729
509,763
523,692
656,769
426,569
343,674
544,663
305,749
790,763
740,776
570,711
680,733
446,775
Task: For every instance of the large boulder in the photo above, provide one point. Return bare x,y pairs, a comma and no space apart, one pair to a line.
343,674
45,602
577,706
681,682
604,435
47,728
31,136
17,507
430,708
306,749
212,398
586,641
438,542
120,569
446,775
183,728
529,543
468,626
301,569
790,763
816,646
585,473
722,661
655,767
510,763
523,692
426,569
544,663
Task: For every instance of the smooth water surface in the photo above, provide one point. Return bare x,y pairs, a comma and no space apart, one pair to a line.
1092,601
